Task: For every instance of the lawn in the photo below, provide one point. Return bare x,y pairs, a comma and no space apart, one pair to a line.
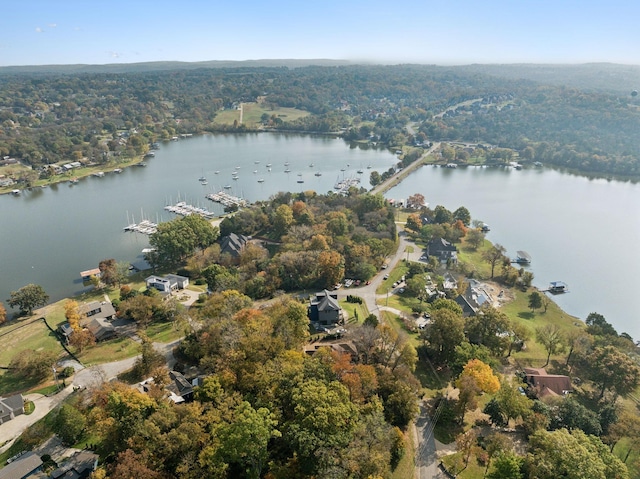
351,308
18,336
112,350
252,114
164,332
406,467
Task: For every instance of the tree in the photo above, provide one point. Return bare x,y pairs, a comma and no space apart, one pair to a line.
496,444
81,338
108,271
374,178
494,256
444,333
69,424
414,223
175,240
571,455
597,325
506,466
475,238
551,339
282,219
415,201
476,377
571,414
32,364
535,301
488,328
613,370
463,215
3,314
28,298
244,440
578,342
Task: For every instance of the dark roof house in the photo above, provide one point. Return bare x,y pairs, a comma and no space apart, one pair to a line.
233,244
324,309
180,387
443,250
78,466
11,407
473,298
547,384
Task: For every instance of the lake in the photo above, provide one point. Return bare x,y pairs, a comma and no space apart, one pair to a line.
577,230
581,231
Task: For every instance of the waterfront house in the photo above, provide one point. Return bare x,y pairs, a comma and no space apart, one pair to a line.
65,330
324,309
168,283
97,309
443,250
78,466
101,329
10,407
473,298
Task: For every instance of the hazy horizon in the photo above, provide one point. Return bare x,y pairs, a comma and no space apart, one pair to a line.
457,32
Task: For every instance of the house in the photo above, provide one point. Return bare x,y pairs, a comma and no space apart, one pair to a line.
443,250
449,282
181,389
78,466
65,330
233,244
342,348
11,407
324,309
101,329
547,384
168,283
473,298
22,467
97,309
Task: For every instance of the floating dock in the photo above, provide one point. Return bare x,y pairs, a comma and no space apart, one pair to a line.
342,186
184,209
225,199
145,227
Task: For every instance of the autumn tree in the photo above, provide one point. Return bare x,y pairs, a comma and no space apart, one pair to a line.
476,377
415,201
32,364
414,223
108,271
3,313
474,238
552,339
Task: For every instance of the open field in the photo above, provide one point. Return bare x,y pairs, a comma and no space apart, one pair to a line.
28,334
252,114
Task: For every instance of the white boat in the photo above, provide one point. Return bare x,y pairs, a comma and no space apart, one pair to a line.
268,165
317,173
261,180
300,180
255,171
368,167
234,178
257,162
287,170
227,187
205,182
202,178
118,170
311,165
217,171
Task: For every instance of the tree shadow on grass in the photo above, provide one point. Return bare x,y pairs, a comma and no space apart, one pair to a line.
526,315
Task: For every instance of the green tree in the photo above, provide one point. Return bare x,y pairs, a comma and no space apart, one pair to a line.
506,466
282,219
488,328
571,455
463,215
494,256
375,178
535,301
475,238
69,424
496,444
552,339
444,333
612,369
28,298
32,364
244,440
175,240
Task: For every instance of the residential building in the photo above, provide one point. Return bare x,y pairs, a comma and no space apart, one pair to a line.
22,467
97,309
443,250
473,298
324,309
233,244
101,329
11,407
168,283
547,384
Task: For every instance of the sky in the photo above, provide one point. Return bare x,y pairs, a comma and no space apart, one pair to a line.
444,32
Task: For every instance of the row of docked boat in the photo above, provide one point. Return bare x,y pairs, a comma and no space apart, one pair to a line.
145,227
184,209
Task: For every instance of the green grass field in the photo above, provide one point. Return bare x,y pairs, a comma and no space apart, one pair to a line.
252,114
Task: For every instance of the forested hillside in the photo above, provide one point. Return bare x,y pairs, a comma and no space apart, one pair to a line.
53,117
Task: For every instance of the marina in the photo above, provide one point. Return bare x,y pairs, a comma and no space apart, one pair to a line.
342,186
226,199
182,208
145,227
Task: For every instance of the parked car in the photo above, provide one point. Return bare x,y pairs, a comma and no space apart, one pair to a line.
386,276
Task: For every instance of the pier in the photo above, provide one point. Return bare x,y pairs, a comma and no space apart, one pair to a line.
342,186
184,209
145,227
226,199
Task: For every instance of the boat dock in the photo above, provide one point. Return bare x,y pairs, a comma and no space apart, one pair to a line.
145,227
342,186
184,209
226,199
522,257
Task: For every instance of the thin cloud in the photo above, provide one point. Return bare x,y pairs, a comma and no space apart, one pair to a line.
39,30
53,25
114,54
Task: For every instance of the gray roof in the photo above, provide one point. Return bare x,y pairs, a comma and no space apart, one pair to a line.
97,309
233,244
12,403
21,467
327,303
